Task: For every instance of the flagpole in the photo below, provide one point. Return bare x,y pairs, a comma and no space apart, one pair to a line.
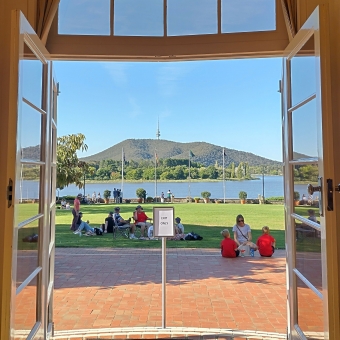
155,175
189,179
223,177
122,186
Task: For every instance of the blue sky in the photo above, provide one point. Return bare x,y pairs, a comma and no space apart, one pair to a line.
231,103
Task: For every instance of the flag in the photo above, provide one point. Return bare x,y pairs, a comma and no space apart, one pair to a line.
224,153
123,156
191,154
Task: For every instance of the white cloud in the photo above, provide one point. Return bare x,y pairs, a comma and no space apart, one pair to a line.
118,73
168,77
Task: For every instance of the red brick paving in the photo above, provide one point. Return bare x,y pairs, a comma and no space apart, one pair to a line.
102,288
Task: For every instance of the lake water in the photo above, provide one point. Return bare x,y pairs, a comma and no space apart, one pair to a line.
273,186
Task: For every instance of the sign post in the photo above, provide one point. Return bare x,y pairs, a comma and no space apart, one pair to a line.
163,218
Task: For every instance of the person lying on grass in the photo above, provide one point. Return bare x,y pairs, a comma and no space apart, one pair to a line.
242,233
89,231
228,246
266,243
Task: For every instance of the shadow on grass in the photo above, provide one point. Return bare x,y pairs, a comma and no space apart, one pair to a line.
211,239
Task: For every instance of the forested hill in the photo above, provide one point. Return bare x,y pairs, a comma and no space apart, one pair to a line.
205,153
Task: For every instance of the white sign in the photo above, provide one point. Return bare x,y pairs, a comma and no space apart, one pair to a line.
163,221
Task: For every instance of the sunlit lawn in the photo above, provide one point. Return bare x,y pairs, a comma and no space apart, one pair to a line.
205,219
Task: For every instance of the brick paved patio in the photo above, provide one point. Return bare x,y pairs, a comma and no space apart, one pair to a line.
103,288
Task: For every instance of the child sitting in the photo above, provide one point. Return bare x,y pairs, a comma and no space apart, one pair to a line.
179,227
228,246
266,243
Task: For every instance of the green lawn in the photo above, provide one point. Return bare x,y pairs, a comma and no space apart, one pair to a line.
205,219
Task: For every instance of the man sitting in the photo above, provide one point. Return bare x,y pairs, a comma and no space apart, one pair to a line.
140,219
120,222
84,226
109,223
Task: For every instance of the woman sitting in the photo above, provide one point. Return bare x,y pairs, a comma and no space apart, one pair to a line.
242,233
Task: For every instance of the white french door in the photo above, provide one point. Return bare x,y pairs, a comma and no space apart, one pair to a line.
308,160
35,95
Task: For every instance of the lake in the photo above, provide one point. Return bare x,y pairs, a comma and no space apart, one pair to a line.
273,186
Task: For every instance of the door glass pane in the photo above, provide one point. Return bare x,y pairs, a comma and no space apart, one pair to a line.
304,131
248,15
308,253
138,18
27,192
27,260
25,310
304,204
191,17
84,17
310,311
31,77
303,73
30,133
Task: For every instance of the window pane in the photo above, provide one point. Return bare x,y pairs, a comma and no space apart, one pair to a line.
303,73
310,312
248,16
31,73
84,17
27,192
27,260
190,17
308,253
304,126
30,133
25,310
138,18
304,204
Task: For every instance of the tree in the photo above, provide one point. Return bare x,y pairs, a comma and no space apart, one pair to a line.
69,168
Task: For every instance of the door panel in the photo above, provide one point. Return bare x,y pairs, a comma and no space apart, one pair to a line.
33,188
306,218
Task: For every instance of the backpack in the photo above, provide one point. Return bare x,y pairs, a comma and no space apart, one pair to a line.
98,231
193,237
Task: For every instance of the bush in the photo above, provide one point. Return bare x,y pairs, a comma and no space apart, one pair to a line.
296,195
242,195
127,200
205,194
107,194
149,199
275,198
141,193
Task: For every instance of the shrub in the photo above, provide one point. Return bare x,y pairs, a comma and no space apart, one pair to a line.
296,195
275,198
205,194
141,193
127,200
242,195
107,194
149,199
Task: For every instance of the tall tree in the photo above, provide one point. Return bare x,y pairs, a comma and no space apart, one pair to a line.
69,168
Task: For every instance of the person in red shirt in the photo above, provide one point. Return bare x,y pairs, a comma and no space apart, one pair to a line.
228,246
266,243
140,220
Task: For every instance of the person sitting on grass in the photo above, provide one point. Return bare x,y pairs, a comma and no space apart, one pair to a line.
89,231
242,233
228,246
120,222
140,219
109,223
266,243
179,227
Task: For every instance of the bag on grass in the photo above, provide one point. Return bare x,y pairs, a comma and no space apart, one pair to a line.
98,231
193,237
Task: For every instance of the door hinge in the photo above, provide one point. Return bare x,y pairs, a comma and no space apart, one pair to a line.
10,193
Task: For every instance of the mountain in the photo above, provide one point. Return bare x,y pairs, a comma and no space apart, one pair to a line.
205,153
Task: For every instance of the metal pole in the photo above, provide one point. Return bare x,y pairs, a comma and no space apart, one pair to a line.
189,180
223,179
263,184
122,186
84,184
156,177
163,282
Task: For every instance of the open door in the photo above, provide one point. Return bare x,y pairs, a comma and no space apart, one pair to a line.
308,169
35,93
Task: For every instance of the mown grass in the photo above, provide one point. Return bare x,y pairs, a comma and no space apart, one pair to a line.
205,219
